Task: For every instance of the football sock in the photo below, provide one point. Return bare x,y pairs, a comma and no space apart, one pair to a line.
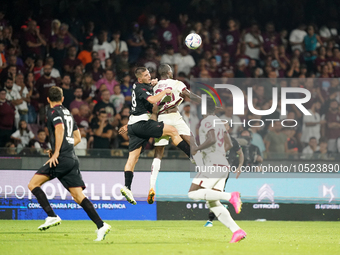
128,179
223,215
209,195
211,216
42,200
91,212
184,147
156,165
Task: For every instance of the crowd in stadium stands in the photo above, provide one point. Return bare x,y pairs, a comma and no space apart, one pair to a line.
95,68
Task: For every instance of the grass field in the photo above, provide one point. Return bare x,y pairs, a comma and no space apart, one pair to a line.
170,237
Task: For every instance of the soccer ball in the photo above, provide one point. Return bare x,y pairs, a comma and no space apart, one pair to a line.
193,41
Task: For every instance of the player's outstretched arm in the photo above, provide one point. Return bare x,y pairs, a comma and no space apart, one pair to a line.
76,136
156,98
192,96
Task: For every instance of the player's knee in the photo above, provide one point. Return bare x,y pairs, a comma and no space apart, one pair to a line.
31,186
212,204
192,195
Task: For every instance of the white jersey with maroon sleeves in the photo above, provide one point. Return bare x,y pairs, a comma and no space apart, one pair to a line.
176,86
216,152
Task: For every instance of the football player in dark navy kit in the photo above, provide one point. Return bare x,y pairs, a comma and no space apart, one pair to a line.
63,164
143,125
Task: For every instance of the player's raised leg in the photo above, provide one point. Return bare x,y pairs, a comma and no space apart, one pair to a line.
35,187
128,174
176,139
102,228
213,195
155,167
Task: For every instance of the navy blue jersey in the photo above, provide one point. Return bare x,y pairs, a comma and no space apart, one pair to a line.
59,115
139,103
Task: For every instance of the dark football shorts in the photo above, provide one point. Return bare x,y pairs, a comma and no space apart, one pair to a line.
140,133
67,172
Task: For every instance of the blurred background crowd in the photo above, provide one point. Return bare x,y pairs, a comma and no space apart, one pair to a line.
91,48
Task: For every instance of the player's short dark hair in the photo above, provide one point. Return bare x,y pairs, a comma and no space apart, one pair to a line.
140,70
210,105
55,94
313,137
40,131
163,69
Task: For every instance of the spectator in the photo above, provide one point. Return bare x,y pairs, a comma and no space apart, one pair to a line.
34,41
83,115
78,101
270,38
135,42
168,34
333,126
80,148
150,30
10,148
43,85
117,99
3,63
107,106
232,120
150,61
7,115
23,135
55,72
126,87
118,46
68,92
312,123
85,56
70,63
275,140
108,80
102,131
38,67
170,58
122,65
89,88
291,146
322,152
103,48
310,148
296,38
310,42
20,86
12,60
189,117
256,137
14,97
226,69
96,70
254,42
41,144
185,61
63,37
232,39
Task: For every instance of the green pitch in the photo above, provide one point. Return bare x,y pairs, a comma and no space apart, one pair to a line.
170,237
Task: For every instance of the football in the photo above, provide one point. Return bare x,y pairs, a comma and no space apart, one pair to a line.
193,41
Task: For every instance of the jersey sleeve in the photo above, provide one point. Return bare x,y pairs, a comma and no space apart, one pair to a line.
143,93
181,86
207,126
56,118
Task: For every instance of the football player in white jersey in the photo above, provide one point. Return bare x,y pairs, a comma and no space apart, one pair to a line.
168,114
208,184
